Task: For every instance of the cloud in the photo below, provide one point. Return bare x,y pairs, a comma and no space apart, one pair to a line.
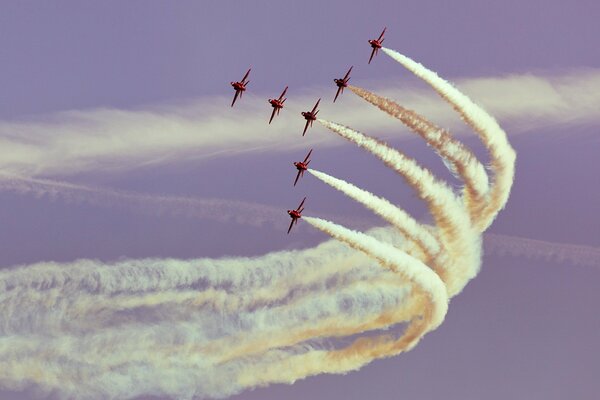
109,139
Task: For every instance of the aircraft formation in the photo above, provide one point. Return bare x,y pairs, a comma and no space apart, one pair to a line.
309,116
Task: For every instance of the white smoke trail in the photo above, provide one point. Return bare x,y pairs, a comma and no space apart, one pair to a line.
425,241
84,343
214,327
397,261
493,136
460,160
432,309
451,218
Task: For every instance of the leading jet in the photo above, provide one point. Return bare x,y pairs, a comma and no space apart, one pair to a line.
376,45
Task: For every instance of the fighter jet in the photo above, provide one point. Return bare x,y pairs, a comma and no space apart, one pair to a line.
277,104
310,116
295,215
342,83
376,45
302,166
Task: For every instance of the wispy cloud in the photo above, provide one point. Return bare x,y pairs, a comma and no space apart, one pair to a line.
75,141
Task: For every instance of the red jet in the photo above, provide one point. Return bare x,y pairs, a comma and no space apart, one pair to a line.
342,83
277,104
295,215
310,116
302,166
240,87
376,45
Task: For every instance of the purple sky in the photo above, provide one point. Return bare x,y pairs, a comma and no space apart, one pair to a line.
522,329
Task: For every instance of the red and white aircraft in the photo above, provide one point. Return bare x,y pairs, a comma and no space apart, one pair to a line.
240,87
295,214
277,104
376,45
310,116
302,166
342,83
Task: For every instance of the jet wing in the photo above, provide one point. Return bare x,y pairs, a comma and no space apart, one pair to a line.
237,92
272,114
283,93
340,88
380,36
372,54
348,73
245,76
315,107
290,228
305,127
297,177
302,203
307,156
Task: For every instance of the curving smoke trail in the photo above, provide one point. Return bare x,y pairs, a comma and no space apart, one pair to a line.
165,318
460,160
502,154
425,241
412,269
429,313
451,218
211,328
214,209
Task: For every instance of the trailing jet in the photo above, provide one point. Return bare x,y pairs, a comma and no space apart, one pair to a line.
240,87
295,215
302,166
277,104
342,83
376,45
310,116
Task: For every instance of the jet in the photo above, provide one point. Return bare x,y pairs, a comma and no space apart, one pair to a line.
277,104
376,45
295,214
341,84
310,116
302,166
240,87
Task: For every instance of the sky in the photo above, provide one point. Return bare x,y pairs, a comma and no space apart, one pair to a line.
134,97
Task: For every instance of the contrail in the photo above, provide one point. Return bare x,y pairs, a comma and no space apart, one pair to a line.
563,253
460,160
451,218
415,232
221,210
502,154
201,208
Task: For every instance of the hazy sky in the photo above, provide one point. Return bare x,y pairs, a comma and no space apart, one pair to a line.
524,328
